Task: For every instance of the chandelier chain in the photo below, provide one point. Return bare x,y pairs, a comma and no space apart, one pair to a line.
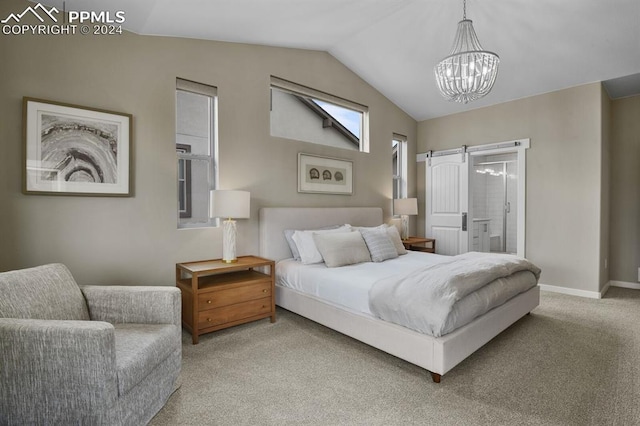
464,9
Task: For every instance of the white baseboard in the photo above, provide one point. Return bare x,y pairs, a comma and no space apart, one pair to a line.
586,293
624,284
573,291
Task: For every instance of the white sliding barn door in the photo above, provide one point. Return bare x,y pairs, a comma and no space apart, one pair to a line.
447,199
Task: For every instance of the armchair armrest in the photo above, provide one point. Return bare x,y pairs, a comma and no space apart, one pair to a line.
142,305
50,368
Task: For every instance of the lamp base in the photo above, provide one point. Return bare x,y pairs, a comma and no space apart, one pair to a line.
229,241
404,234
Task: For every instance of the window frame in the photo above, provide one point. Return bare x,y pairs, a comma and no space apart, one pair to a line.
310,93
187,156
399,157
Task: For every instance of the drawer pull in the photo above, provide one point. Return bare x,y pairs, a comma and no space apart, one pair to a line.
264,306
264,291
209,319
209,301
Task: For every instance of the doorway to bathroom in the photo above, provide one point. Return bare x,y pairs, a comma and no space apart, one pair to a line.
475,198
493,197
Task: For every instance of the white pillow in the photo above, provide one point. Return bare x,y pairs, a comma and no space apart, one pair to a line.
394,235
288,234
342,248
379,244
307,247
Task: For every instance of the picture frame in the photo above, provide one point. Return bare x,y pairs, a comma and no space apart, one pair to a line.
324,175
76,150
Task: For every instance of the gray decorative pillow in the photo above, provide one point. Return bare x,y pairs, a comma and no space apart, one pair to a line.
394,235
342,248
380,245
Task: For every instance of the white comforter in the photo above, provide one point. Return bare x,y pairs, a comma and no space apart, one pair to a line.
436,299
348,286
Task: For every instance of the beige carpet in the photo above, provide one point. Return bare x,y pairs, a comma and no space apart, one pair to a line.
573,361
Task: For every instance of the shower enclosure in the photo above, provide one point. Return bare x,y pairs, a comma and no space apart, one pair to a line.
493,187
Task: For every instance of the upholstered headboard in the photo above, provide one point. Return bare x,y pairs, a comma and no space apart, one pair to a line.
274,220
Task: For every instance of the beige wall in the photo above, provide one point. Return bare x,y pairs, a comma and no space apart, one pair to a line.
625,184
136,240
563,211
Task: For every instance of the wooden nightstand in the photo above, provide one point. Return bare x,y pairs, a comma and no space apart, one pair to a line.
217,295
420,244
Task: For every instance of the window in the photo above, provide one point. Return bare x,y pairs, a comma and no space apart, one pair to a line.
184,181
399,165
196,151
305,114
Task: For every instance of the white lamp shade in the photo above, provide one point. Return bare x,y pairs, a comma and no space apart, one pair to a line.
405,206
230,204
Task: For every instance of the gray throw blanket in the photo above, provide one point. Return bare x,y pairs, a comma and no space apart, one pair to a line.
423,299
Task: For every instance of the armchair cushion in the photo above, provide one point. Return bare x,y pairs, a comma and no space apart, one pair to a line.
140,349
46,292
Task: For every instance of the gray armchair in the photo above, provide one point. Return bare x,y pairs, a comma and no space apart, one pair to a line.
91,355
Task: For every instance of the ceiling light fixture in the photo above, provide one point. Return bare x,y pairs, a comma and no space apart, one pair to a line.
468,73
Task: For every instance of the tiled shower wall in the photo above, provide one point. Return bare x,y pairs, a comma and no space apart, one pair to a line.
489,196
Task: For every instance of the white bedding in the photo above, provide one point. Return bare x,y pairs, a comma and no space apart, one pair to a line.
349,286
437,299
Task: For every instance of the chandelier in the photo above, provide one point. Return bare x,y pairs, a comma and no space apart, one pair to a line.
468,73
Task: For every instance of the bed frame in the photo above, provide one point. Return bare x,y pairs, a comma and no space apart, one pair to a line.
436,354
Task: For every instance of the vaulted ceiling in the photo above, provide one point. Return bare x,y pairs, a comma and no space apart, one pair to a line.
544,45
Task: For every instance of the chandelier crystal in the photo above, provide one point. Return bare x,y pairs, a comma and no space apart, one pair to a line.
468,73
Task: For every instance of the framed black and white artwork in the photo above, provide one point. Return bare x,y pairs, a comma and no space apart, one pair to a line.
74,150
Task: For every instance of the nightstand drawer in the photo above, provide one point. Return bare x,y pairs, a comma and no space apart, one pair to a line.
235,312
230,296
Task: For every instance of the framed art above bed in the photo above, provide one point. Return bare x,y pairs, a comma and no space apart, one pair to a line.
324,175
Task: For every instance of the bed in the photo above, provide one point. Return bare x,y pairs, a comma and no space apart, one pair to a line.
438,355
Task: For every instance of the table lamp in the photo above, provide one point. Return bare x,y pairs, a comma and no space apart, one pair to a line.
231,205
405,207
